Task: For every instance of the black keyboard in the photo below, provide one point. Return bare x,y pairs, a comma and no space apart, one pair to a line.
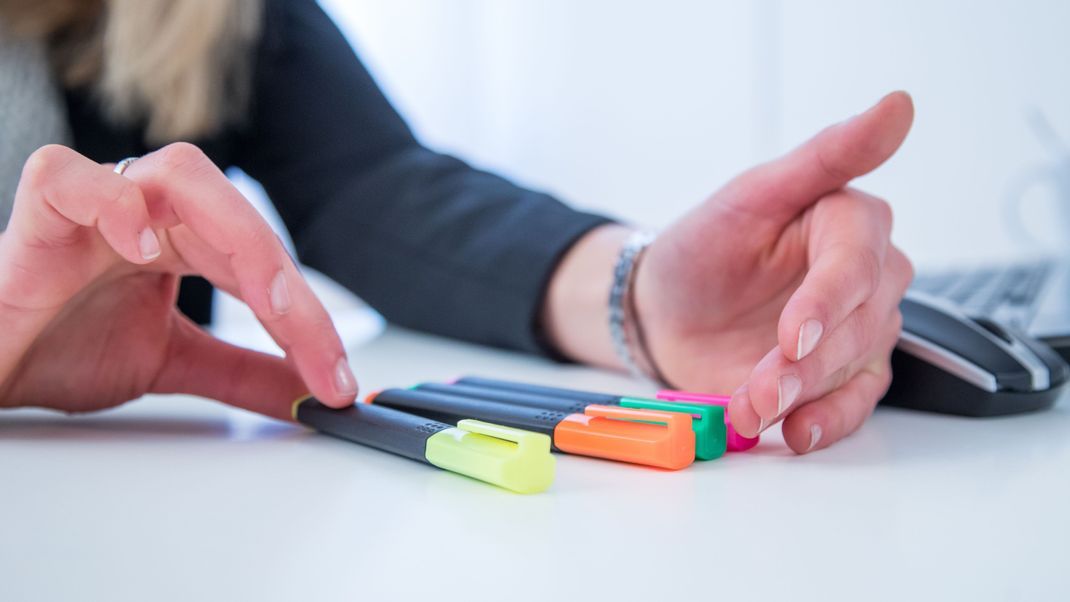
1008,294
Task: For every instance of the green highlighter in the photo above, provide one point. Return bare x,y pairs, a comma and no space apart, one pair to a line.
711,437
706,420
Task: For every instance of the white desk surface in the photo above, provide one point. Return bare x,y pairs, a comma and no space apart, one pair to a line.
182,499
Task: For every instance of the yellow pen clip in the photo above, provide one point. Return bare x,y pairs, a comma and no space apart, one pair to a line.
527,442
512,458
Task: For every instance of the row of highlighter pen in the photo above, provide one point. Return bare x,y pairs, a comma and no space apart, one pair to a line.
505,430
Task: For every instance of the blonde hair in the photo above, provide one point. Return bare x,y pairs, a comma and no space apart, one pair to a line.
182,67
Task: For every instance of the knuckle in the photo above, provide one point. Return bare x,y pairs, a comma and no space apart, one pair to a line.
44,163
862,267
889,376
885,381
807,305
906,266
868,268
867,329
843,424
896,323
839,378
821,367
832,164
891,339
182,157
882,210
313,335
126,197
258,240
866,332
329,343
322,328
269,317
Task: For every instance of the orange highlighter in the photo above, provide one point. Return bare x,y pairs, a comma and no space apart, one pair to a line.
649,437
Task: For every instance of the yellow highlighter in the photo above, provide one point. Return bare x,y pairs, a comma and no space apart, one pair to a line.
515,459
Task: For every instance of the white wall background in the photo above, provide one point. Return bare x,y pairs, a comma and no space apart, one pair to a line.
643,108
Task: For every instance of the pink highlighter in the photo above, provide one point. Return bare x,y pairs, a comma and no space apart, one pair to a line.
736,442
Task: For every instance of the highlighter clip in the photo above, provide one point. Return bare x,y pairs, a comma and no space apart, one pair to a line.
511,458
650,437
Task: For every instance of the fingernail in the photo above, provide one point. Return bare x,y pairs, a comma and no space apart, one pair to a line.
815,436
809,335
280,294
787,389
761,426
344,381
148,244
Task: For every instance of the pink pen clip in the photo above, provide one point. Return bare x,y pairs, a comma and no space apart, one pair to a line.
736,442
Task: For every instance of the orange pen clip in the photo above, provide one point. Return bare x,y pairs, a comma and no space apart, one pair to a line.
651,437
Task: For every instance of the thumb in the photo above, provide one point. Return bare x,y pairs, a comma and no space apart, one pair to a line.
784,187
200,364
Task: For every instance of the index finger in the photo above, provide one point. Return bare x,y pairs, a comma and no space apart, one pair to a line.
181,179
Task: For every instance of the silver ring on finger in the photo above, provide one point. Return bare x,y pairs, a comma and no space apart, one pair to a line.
122,166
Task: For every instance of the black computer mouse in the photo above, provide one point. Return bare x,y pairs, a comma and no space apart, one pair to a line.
951,363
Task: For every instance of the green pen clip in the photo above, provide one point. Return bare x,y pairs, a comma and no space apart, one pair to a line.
711,437
512,458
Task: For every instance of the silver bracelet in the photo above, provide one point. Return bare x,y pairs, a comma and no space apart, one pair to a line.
619,301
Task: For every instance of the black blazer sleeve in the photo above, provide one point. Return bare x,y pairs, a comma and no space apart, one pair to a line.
430,242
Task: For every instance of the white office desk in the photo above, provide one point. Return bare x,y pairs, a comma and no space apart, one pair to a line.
182,499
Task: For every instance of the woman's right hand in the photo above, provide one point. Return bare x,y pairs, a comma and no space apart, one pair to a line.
89,269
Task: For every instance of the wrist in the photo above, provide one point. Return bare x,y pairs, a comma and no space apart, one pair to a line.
575,315
626,326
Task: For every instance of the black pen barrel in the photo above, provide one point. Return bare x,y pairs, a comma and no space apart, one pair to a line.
375,426
586,396
451,408
545,402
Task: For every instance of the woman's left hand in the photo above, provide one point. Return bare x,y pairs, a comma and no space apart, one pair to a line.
782,288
